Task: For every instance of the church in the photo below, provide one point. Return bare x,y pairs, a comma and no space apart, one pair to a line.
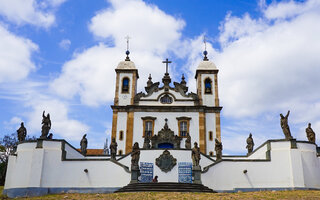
155,133
137,115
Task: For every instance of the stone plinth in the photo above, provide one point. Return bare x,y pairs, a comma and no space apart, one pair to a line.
196,174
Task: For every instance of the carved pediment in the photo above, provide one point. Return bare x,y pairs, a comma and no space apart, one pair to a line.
166,161
166,136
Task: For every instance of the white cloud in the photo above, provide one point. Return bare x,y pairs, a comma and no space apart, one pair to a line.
65,44
90,74
62,125
15,56
30,11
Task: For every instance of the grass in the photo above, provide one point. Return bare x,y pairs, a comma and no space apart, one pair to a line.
270,195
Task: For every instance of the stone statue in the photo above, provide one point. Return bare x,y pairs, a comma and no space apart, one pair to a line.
22,133
135,155
113,148
218,149
310,134
250,143
188,142
84,144
285,126
146,143
195,155
46,126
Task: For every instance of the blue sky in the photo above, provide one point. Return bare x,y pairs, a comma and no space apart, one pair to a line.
60,55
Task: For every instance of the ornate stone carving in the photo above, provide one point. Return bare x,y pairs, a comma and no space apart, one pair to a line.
166,161
310,134
285,126
83,145
113,148
135,155
166,135
250,143
46,126
195,155
22,133
146,143
218,148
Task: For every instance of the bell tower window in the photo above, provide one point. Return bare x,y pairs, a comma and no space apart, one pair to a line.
125,85
208,86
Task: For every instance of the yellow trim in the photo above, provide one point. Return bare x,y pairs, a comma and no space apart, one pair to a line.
129,136
199,89
218,127
134,86
216,97
114,124
202,132
116,98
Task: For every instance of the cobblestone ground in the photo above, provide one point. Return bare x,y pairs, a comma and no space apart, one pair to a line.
302,194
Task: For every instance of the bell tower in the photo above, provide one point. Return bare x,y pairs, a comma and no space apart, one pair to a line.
207,90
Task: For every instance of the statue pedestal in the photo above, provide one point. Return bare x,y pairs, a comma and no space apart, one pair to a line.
135,173
196,173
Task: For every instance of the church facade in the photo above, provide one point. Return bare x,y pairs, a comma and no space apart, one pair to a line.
137,115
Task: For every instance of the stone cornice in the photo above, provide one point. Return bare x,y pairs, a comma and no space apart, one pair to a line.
148,108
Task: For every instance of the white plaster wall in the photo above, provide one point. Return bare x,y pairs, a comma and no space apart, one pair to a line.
122,126
260,153
159,123
208,99
210,126
156,95
43,167
70,152
283,171
125,99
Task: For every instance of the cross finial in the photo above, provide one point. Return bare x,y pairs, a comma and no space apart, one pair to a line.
167,62
127,52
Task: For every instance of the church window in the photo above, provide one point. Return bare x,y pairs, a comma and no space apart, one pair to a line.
183,124
166,99
148,126
125,85
208,86
121,135
210,135
211,153
120,152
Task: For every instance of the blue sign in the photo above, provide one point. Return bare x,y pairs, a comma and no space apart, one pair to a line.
146,170
185,172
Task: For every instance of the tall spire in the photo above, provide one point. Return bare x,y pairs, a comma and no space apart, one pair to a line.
127,52
205,53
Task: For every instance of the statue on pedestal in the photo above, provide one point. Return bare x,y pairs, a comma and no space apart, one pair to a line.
218,149
285,126
146,143
22,133
250,143
188,142
135,155
113,148
83,145
195,155
310,134
46,126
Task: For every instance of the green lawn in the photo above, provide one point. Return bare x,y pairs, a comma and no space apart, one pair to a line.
298,194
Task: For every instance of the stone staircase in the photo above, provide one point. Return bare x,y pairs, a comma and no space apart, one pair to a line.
165,187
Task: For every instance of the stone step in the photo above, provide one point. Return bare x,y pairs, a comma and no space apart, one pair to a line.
165,187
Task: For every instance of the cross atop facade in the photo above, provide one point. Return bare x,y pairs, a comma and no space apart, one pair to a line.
205,42
167,62
127,38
